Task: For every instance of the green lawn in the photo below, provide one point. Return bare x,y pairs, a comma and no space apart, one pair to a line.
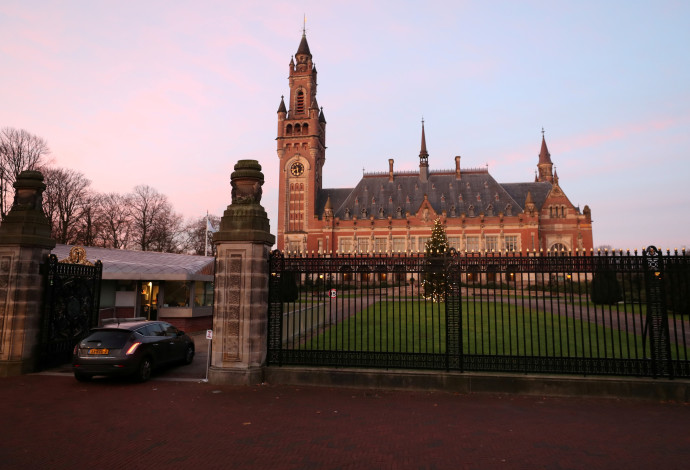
488,328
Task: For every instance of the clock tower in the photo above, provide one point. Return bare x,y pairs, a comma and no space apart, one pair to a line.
301,146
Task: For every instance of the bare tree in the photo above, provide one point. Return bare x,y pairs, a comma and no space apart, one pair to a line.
167,232
156,227
65,197
89,225
19,151
195,234
114,221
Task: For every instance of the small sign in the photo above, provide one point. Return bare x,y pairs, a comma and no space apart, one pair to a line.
333,293
209,334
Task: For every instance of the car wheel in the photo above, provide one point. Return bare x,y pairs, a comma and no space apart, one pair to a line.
189,355
80,376
145,368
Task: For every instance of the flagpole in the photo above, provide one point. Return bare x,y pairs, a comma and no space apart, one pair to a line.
206,237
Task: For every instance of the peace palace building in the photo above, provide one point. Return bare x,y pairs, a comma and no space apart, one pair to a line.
394,212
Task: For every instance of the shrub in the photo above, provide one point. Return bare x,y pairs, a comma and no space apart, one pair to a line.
289,292
605,288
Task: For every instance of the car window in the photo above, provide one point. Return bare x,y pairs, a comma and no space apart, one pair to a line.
141,331
155,329
113,339
170,330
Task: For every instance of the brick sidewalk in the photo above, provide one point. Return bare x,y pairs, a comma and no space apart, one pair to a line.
53,421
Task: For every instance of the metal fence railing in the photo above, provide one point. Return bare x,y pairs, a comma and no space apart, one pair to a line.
615,313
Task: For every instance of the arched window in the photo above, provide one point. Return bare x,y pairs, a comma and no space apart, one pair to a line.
288,129
305,129
298,130
558,249
300,101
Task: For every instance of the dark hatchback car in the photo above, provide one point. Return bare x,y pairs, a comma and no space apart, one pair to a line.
132,348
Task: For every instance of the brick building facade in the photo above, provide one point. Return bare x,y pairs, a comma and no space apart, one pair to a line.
395,211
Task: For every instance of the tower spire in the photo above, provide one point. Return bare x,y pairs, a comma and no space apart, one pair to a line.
545,166
423,153
423,158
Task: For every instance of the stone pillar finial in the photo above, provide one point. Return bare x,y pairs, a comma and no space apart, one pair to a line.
26,223
245,219
246,182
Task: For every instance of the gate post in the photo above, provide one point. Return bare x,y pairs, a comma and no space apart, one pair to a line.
240,300
656,323
25,243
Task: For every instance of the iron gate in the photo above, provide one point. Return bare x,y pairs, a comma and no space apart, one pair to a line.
499,312
70,305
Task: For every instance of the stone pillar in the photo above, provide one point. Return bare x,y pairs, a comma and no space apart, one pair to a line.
25,244
240,303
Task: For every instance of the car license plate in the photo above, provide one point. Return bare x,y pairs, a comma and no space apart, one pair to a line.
98,351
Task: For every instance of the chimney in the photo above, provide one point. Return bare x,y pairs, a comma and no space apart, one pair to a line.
390,169
457,168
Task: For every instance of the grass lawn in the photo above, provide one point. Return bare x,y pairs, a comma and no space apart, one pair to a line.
488,328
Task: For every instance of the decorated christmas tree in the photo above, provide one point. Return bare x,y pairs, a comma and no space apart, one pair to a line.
434,283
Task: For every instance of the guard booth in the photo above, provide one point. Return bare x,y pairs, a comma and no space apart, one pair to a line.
72,289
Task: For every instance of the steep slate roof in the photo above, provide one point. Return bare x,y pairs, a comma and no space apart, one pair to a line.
518,191
476,192
544,155
337,195
303,46
146,265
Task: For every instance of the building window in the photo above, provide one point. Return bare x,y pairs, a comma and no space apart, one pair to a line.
558,249
203,294
398,244
454,242
421,243
362,244
512,243
492,243
380,245
345,245
472,244
176,294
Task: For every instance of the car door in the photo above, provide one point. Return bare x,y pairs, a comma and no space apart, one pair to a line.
157,343
176,343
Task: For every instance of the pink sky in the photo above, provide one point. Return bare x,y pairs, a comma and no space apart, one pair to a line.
172,94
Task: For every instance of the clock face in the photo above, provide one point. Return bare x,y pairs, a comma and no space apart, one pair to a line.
296,169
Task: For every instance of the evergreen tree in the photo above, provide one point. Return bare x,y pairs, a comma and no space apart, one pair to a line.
434,282
605,289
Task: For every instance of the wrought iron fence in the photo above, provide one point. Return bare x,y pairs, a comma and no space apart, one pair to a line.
616,313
